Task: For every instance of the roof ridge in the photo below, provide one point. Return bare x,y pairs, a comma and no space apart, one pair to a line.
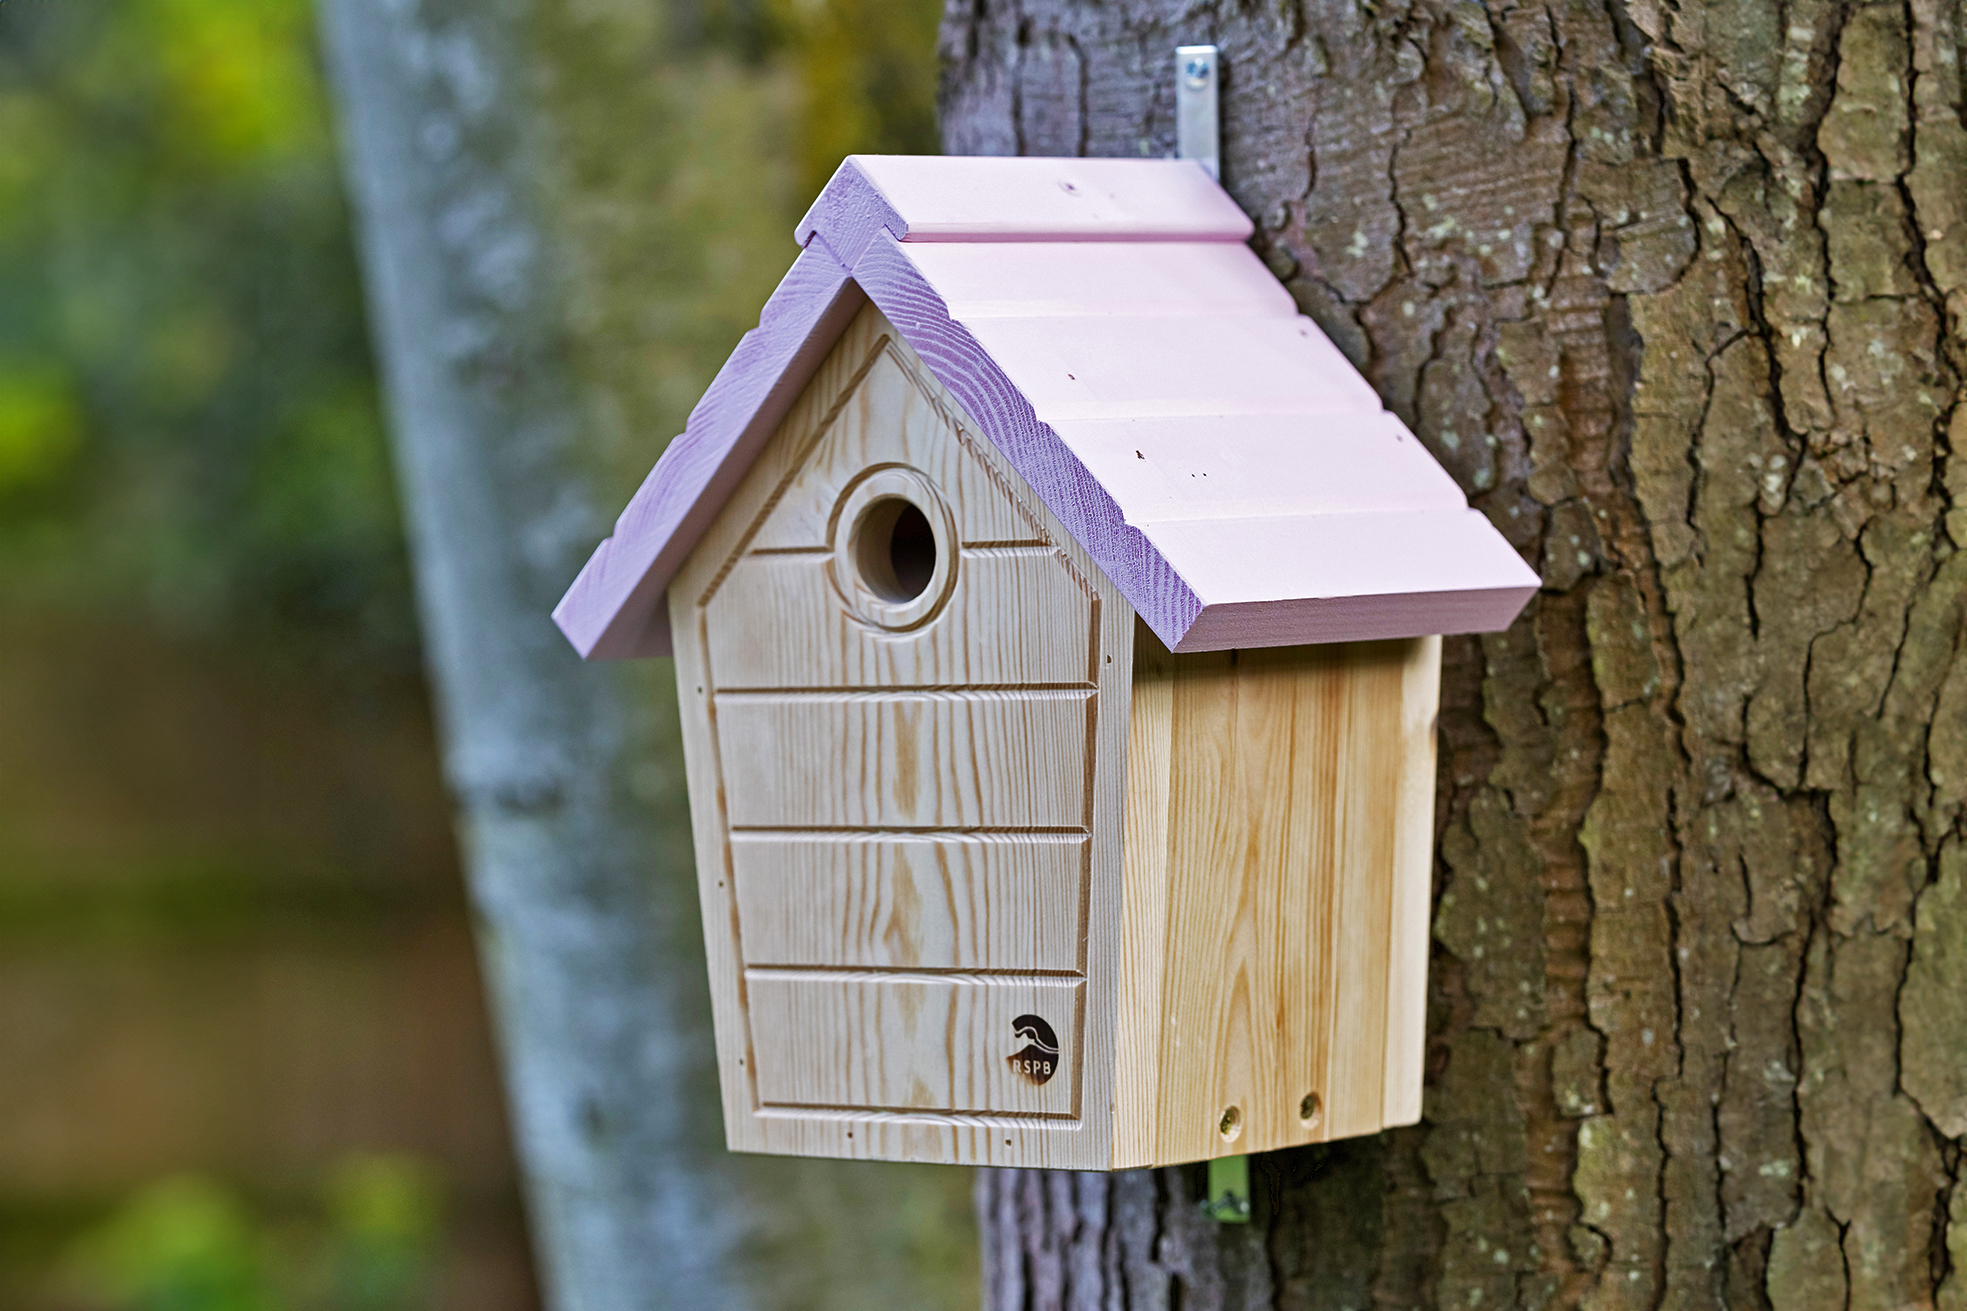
918,198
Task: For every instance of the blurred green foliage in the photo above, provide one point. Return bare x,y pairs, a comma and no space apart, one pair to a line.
189,423
189,1243
191,437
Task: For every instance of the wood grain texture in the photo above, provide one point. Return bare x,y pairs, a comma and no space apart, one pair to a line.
1413,876
1145,896
908,1042
889,417
1273,798
905,760
911,901
968,645
1023,338
943,799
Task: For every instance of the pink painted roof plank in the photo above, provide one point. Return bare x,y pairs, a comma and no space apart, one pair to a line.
1260,465
1162,364
1101,322
1079,279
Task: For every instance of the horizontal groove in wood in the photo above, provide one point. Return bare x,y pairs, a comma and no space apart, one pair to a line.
1052,1123
1026,690
758,834
814,1110
911,973
981,978
874,695
997,550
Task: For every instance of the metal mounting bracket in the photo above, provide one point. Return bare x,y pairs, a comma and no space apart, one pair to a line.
1198,133
1229,1190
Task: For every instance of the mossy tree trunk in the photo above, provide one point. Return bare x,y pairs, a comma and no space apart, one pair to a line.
1679,294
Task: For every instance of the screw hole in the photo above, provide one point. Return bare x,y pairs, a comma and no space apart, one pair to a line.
1231,1125
1310,1111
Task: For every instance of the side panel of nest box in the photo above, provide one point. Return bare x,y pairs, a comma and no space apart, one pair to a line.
1280,830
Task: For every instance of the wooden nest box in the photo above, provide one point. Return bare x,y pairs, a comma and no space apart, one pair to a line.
1056,616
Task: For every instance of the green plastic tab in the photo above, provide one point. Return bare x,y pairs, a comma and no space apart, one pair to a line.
1229,1190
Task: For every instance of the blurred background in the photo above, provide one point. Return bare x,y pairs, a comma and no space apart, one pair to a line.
245,1062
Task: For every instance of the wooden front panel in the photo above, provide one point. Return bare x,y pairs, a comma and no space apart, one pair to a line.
948,901
909,1043
898,828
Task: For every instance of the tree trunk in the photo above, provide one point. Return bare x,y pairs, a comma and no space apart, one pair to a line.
445,145
1679,295
569,211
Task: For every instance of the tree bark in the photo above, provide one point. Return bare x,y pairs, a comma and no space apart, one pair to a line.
1678,293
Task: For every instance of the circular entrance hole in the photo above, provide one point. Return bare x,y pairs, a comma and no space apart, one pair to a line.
1310,1111
895,549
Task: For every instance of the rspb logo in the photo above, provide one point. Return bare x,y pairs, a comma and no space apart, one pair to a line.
1038,1058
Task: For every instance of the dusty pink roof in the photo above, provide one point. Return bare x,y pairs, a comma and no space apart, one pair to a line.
1104,324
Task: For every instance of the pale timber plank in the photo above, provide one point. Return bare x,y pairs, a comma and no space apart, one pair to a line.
1369,713
889,416
1413,870
1294,783
715,895
898,1043
969,644
1144,931
1245,1023
905,760
960,902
